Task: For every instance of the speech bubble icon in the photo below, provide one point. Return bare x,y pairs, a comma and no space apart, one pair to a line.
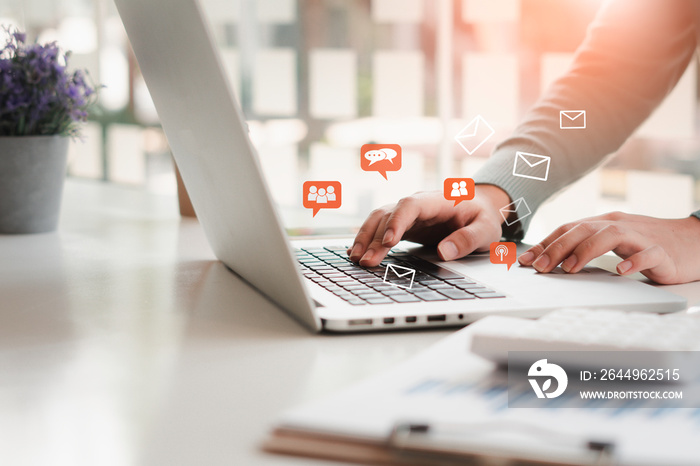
458,189
319,195
380,158
503,253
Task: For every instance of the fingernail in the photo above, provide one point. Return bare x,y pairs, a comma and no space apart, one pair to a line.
624,266
569,263
368,256
527,257
448,251
388,237
541,263
356,250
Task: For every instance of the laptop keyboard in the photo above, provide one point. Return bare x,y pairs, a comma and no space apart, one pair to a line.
400,278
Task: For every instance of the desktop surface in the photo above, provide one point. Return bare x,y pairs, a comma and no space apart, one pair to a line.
124,342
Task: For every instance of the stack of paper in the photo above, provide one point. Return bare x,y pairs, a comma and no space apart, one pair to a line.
447,385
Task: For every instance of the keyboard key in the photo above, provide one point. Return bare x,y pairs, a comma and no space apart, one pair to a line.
394,291
312,264
441,286
376,270
382,300
404,298
430,268
460,281
418,288
489,295
336,248
357,288
456,294
431,296
474,289
345,283
432,281
324,270
383,287
356,301
368,294
314,250
370,280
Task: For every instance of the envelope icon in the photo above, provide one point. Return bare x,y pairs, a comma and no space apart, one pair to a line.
514,207
532,166
572,119
474,135
400,276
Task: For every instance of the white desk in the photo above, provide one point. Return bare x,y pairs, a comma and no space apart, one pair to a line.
124,342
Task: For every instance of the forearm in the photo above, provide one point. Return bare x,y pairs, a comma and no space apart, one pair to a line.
634,54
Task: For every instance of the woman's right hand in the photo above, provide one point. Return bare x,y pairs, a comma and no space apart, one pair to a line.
428,218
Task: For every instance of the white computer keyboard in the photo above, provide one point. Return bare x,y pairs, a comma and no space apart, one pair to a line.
585,330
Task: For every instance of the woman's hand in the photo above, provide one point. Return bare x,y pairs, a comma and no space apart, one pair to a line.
665,251
428,218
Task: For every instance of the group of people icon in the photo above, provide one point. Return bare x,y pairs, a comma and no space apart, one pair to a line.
321,195
459,189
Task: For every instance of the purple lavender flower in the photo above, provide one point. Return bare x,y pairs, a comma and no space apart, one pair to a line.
38,95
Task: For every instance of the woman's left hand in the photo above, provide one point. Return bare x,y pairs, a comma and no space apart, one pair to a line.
666,251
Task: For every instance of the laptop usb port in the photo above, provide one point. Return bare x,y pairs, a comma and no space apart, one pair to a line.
388,320
437,318
411,320
360,322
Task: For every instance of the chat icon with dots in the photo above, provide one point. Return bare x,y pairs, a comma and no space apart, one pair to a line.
380,158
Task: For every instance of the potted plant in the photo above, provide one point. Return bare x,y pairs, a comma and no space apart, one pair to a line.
42,105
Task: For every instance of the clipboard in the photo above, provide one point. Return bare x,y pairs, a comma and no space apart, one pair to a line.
418,444
437,409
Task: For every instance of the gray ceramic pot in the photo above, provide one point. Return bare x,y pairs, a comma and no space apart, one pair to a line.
32,171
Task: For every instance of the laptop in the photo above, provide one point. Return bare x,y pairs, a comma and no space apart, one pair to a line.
313,280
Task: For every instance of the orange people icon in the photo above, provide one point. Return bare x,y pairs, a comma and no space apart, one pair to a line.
321,195
458,189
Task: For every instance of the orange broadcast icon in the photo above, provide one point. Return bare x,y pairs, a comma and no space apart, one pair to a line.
503,253
322,195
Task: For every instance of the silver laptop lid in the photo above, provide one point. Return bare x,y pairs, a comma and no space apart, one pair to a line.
209,140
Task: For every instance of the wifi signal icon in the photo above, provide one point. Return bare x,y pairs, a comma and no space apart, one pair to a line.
503,253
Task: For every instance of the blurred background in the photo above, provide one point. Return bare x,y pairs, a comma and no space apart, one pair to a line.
318,78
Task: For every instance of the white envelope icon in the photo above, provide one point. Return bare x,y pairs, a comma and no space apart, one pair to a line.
400,276
572,119
513,207
474,135
532,166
